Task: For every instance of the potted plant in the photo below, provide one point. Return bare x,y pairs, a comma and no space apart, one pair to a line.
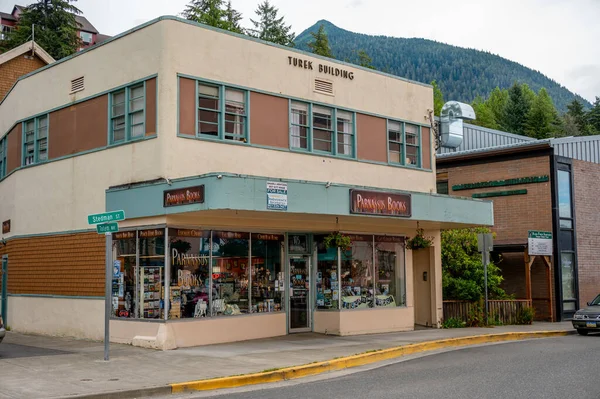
419,241
337,239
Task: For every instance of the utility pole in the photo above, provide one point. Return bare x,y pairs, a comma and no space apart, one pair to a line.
485,244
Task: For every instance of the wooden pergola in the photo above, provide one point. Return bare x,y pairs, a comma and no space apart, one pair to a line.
529,260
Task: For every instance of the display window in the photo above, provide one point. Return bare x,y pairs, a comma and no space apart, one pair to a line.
389,271
267,275
230,273
357,273
125,270
327,282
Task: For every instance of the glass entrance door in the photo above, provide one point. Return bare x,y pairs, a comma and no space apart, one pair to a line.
299,309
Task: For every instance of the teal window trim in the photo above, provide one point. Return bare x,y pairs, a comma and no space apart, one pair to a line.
128,114
36,141
222,112
3,151
310,133
403,154
331,131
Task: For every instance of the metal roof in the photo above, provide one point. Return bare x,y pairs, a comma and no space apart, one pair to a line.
85,24
7,16
584,148
477,137
505,147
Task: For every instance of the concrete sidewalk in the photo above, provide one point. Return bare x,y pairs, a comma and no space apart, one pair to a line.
49,367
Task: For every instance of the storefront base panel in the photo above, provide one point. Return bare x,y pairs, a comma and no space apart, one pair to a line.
137,333
63,317
228,329
366,321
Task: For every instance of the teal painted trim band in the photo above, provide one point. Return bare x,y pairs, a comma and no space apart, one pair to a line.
55,296
499,194
304,152
500,183
93,96
291,98
78,154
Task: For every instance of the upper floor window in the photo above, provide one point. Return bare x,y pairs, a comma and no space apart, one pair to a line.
3,157
35,140
128,114
321,129
222,113
404,143
86,37
4,31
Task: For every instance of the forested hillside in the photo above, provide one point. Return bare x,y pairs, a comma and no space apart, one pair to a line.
462,74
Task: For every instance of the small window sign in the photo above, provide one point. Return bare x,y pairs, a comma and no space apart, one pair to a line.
298,243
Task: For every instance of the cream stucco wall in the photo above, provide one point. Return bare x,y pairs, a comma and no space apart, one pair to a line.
79,318
58,196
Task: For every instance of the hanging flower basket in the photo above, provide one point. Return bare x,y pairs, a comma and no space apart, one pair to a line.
419,241
337,239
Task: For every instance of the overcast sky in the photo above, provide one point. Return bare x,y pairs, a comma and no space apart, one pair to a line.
559,38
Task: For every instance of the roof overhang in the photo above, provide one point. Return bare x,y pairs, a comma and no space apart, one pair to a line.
527,147
24,48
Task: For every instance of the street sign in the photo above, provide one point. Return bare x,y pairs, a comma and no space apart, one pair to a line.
540,243
107,228
106,217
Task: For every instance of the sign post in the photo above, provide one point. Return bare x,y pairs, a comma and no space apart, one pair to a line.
106,224
485,243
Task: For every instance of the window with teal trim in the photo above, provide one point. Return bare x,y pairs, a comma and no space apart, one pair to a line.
222,113
404,142
35,140
3,157
321,129
127,114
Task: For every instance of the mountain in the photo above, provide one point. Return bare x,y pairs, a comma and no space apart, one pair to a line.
462,74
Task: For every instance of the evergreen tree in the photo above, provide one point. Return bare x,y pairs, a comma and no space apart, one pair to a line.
578,115
594,117
484,115
320,44
270,27
55,27
517,109
438,99
542,117
570,127
364,60
497,102
215,13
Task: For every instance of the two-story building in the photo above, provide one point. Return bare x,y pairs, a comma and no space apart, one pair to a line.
265,191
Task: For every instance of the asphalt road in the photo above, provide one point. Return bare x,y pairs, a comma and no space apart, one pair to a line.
566,367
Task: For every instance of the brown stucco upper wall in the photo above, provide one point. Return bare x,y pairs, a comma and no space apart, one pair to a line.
80,127
587,218
269,120
516,214
12,70
187,106
371,138
13,156
151,107
426,151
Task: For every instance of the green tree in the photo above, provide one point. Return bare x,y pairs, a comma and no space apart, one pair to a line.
483,113
54,25
594,117
576,111
270,27
215,13
462,267
438,98
364,60
570,127
497,102
517,109
320,44
542,117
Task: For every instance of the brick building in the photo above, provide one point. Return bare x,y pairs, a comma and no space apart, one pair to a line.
19,62
540,185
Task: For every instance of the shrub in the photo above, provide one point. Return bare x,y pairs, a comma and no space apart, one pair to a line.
453,322
525,315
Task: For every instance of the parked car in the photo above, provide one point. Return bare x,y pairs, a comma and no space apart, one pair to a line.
588,319
2,330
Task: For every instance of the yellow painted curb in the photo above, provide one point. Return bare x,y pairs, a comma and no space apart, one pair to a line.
354,361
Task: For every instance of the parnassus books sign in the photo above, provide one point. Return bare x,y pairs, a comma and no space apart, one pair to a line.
379,203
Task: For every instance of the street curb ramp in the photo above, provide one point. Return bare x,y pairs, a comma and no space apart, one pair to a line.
295,372
362,359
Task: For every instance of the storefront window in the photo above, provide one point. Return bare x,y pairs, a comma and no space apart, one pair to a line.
357,274
268,279
564,194
390,271
124,294
230,255
190,273
151,271
327,281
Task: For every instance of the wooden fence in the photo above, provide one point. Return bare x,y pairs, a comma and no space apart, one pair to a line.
505,311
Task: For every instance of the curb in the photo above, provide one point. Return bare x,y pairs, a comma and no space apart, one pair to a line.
362,359
128,394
